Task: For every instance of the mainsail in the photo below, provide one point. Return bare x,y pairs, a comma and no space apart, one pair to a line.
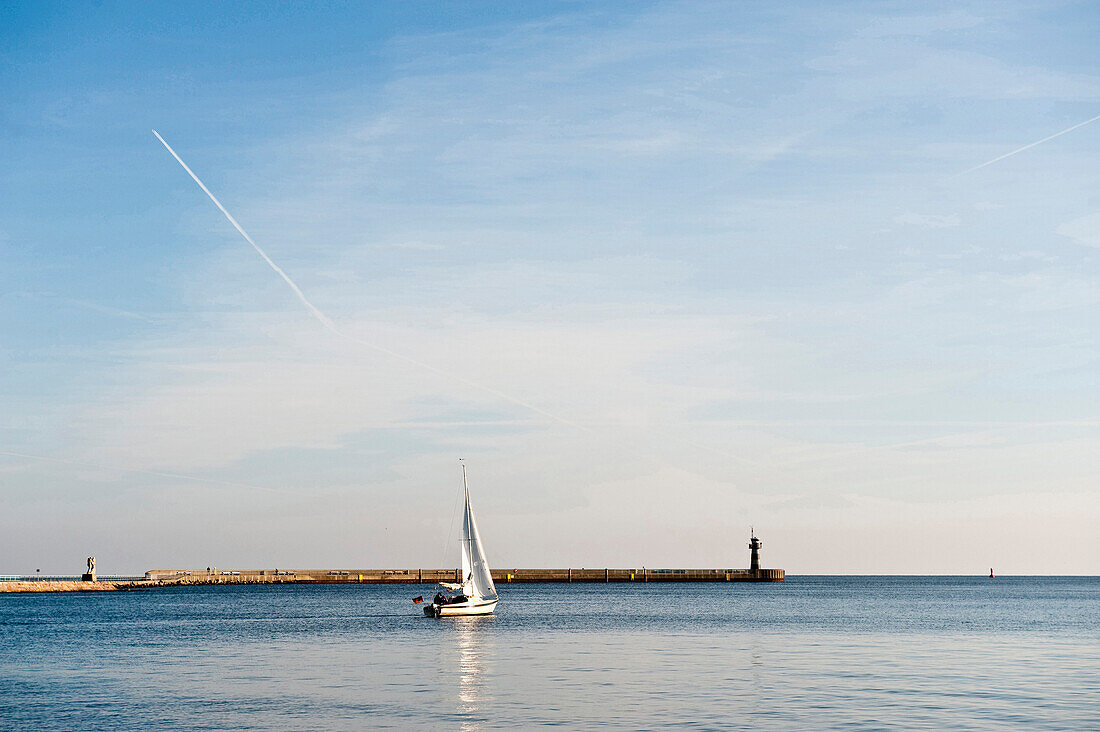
476,579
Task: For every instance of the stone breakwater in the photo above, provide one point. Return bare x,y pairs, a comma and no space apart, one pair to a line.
57,586
109,586
431,576
178,578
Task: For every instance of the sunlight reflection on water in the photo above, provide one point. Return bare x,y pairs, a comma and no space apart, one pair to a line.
473,649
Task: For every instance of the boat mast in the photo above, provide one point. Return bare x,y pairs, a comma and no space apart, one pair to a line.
467,538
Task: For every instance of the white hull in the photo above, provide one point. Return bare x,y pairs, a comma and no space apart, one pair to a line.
470,607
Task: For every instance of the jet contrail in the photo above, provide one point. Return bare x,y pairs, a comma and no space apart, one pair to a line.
331,326
1028,147
305,301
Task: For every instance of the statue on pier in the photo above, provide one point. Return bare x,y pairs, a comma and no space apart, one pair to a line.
89,576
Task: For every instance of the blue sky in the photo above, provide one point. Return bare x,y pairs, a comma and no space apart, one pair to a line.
737,252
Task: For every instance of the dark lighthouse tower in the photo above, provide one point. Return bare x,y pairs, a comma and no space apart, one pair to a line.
754,557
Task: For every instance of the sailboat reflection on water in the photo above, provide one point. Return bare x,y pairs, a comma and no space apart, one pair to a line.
476,593
475,653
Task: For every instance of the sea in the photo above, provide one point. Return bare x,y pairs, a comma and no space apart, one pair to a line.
812,653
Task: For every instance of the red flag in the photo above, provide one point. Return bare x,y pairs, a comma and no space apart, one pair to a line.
418,600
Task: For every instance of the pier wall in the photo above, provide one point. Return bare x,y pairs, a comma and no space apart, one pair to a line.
432,576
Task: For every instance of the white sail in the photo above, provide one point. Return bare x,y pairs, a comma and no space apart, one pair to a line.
467,560
476,579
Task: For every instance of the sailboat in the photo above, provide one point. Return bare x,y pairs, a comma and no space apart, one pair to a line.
476,593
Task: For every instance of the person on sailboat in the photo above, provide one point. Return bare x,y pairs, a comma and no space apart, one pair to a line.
441,599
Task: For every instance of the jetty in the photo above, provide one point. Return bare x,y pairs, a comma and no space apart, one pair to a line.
433,576
755,573
213,576
183,577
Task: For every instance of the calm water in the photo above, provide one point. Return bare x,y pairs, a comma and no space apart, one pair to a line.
812,653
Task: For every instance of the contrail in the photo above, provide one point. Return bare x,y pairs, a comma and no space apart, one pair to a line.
325,321
331,326
1028,147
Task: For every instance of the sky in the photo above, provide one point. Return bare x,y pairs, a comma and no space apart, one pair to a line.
659,272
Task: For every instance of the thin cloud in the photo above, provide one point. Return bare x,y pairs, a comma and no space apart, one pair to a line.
156,473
